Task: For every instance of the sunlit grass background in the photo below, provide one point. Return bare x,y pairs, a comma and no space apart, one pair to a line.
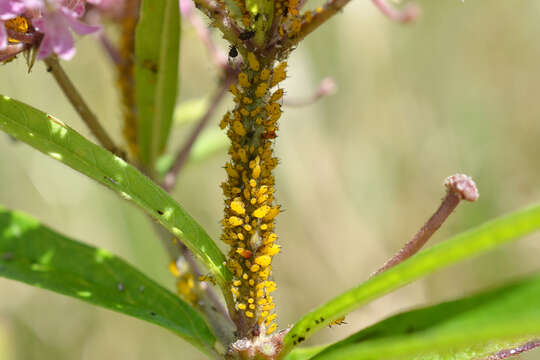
458,91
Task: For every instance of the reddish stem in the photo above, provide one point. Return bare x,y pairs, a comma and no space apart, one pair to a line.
460,187
408,14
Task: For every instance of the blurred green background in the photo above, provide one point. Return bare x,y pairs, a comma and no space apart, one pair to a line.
359,172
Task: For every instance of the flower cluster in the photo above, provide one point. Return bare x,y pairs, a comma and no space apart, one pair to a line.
50,21
248,225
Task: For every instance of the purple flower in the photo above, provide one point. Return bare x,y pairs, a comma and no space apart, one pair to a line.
56,25
55,19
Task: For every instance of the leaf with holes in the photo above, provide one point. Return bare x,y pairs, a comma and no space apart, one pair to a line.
54,138
157,45
460,247
33,253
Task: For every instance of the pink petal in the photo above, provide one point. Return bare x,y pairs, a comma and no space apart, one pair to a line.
80,27
3,36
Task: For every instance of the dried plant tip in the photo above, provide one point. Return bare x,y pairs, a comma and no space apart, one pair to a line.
462,185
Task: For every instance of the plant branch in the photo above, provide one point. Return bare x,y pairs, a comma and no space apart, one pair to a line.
331,8
182,155
217,56
408,14
80,105
327,87
503,354
459,187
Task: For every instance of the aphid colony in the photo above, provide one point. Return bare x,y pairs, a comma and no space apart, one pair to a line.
249,190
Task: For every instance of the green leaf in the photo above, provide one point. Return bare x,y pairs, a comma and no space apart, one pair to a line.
492,321
462,246
157,44
54,138
35,254
305,353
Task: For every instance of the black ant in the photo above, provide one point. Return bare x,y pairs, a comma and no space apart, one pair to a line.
233,51
246,35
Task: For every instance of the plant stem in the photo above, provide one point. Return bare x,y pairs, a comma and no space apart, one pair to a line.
80,105
408,14
180,159
459,187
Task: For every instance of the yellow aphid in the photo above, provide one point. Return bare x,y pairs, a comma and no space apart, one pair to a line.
231,171
244,112
271,329
224,122
269,307
252,306
279,74
242,306
240,236
272,213
235,292
235,221
173,269
270,239
237,282
243,79
264,227
185,286
256,172
249,314
296,25
273,108
243,156
263,189
256,111
262,211
262,198
251,282
265,74
238,128
247,100
340,321
271,318
247,227
263,260
273,250
254,268
261,89
253,62
234,90
252,183
238,206
278,94
309,16
207,278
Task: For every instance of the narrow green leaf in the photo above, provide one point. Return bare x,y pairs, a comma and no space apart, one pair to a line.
157,44
492,321
35,254
305,353
462,246
54,138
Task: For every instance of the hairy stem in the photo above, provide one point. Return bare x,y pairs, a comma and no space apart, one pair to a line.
80,105
459,187
180,159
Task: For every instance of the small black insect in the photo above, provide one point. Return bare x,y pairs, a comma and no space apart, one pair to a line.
233,51
246,35
160,212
